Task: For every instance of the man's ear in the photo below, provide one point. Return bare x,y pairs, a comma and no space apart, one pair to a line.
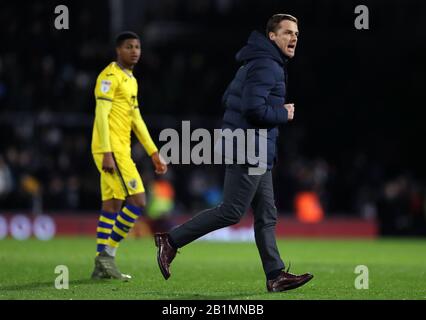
272,36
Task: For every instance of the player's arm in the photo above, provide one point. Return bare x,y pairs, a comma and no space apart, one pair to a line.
142,133
104,94
103,108
259,83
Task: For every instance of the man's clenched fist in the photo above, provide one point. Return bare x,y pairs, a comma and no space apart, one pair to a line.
290,110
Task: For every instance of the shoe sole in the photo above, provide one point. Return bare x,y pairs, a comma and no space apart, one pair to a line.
295,286
164,272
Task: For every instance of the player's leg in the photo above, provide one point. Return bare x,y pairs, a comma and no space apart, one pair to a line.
127,184
126,218
265,219
113,196
106,222
109,211
124,222
265,215
239,189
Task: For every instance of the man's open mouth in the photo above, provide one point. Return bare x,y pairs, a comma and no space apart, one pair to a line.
291,46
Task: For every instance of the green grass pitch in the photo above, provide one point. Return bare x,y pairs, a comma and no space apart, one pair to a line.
207,270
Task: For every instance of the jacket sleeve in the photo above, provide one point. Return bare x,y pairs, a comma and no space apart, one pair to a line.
259,82
141,132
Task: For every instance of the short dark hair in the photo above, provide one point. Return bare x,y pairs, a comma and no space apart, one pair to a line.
124,36
274,21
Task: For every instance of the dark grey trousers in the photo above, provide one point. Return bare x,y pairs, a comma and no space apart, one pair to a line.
240,191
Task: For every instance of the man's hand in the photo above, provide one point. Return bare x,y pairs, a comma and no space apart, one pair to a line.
290,110
159,164
108,163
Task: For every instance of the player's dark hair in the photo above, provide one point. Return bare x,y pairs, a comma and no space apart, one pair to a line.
124,36
274,21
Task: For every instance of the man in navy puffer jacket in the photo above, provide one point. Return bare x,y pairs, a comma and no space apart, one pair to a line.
255,99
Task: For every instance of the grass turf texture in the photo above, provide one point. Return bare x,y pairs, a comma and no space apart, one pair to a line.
206,270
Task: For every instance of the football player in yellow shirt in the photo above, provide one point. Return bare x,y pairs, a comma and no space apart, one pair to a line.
117,115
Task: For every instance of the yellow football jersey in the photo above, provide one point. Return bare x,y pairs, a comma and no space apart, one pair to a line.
117,112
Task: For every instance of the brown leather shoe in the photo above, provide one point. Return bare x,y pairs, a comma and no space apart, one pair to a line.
287,281
165,253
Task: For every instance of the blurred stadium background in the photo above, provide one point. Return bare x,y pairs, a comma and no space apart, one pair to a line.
352,164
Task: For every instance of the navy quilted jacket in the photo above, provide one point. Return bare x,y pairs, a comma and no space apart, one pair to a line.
256,96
